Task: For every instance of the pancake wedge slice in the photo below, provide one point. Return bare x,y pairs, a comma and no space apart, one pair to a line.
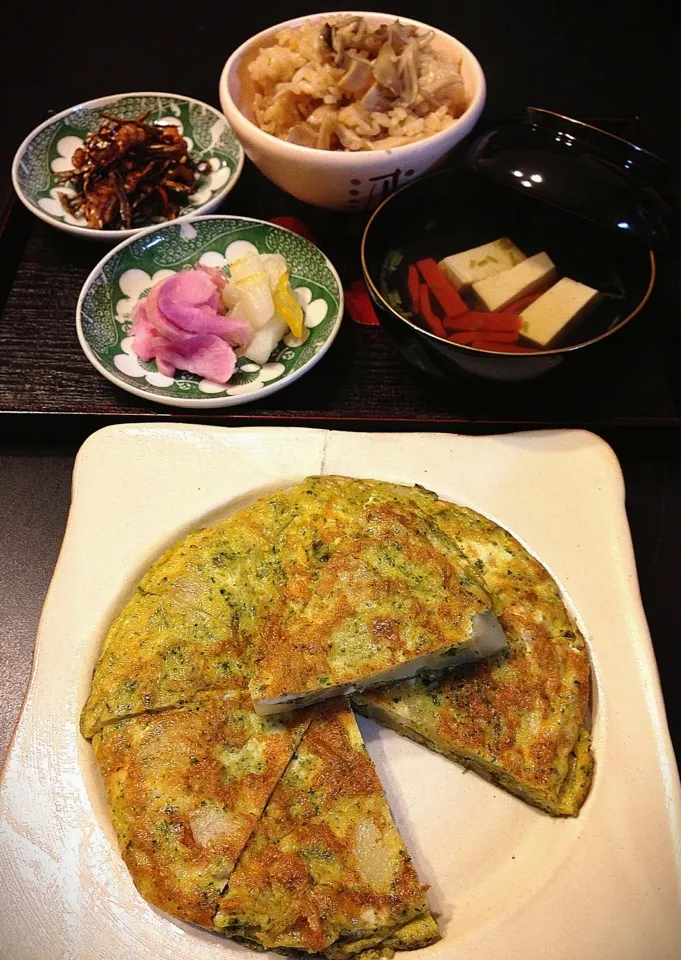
190,624
500,747
186,787
325,870
519,718
373,590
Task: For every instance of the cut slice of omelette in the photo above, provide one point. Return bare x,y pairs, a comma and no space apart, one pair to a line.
518,719
189,626
325,870
372,590
186,788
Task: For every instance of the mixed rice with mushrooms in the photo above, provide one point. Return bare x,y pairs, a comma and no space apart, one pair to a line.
345,85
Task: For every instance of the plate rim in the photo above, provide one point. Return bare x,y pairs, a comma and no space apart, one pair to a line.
643,651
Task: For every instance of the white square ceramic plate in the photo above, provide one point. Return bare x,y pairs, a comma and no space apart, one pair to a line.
508,882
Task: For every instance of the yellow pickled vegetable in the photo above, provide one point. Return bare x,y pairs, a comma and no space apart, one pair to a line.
252,278
288,307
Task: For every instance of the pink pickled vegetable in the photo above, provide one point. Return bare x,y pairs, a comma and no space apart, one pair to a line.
180,324
204,354
218,278
191,287
162,325
147,340
189,301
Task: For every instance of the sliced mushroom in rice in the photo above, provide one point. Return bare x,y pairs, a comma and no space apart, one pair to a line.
408,72
425,39
368,69
373,40
350,140
440,82
385,69
326,39
324,120
377,98
303,134
344,35
399,74
358,77
318,116
338,44
352,29
326,132
399,36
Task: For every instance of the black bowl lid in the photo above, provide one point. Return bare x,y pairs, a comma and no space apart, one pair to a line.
581,169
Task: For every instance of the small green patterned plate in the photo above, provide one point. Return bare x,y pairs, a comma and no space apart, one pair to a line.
103,314
47,152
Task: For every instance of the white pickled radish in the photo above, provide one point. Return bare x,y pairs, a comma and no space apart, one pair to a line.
265,340
275,266
272,264
246,267
254,296
231,295
251,299
257,302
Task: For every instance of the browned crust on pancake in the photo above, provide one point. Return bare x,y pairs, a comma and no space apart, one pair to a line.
300,883
369,583
212,758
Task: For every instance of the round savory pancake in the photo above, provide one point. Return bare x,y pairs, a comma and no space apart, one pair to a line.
334,582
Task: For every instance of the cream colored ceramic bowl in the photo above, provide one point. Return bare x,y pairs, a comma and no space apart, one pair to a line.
343,180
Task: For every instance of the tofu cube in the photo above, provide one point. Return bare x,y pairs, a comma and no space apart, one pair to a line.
495,293
551,314
463,269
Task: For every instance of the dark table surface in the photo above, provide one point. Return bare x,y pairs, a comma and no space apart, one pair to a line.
582,59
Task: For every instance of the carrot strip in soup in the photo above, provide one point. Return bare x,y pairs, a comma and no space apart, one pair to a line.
499,336
431,319
441,288
496,321
466,337
465,321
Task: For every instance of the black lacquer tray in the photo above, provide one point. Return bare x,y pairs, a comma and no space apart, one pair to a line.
49,389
